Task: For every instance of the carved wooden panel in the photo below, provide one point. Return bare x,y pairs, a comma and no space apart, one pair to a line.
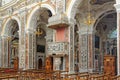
109,64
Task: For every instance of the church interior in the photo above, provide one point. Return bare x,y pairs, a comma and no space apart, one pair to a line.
59,39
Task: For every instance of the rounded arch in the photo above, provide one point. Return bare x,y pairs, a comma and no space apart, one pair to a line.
73,8
35,9
8,21
101,16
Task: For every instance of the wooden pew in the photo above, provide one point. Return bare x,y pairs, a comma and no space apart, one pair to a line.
76,76
116,77
101,77
8,77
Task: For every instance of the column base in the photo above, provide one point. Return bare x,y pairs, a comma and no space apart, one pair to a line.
90,70
83,70
86,70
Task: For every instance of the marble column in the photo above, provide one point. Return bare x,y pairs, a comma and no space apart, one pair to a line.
30,48
117,6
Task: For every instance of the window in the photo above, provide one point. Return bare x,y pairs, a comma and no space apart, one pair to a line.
113,34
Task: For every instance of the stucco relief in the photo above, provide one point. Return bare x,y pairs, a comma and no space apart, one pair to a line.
60,6
73,8
10,10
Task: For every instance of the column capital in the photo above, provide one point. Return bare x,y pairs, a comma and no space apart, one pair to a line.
86,30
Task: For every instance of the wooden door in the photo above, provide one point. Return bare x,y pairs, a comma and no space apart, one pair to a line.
48,64
16,62
40,64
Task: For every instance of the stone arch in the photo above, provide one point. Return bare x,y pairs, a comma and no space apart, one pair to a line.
101,16
47,6
73,8
101,35
5,26
11,26
37,16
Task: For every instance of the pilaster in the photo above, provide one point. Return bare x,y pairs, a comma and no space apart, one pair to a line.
0,44
4,51
71,45
86,56
0,51
117,6
30,48
22,48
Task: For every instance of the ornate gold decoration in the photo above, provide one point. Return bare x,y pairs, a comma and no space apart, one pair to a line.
39,31
89,20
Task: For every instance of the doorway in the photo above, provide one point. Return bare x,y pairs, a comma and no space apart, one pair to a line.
40,64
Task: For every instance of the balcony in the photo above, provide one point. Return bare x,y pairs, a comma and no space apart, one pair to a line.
57,48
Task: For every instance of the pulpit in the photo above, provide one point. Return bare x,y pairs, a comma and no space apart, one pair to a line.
109,64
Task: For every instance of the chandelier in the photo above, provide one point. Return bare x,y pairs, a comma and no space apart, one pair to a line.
89,19
39,31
